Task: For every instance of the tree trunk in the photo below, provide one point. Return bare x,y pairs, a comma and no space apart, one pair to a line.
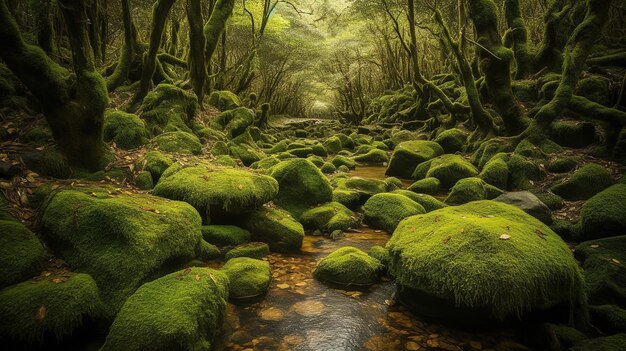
127,54
495,64
550,52
213,29
516,38
74,110
45,30
197,66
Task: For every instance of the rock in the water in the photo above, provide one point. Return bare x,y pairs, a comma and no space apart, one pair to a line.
604,214
256,250
248,277
330,217
348,266
180,311
584,183
275,227
120,240
425,186
386,210
407,155
529,203
482,259
225,235
216,191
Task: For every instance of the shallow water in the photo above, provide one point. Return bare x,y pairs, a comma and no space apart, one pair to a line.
375,172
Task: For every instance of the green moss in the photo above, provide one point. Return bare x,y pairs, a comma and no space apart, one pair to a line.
490,148
316,160
37,135
178,142
375,156
219,148
330,217
328,168
301,185
256,250
21,254
209,134
266,163
215,191
225,235
603,262
349,198
348,266
126,130
457,254
380,253
471,189
522,172
55,304
333,145
573,134
452,140
275,227
182,310
425,186
248,277
279,147
563,228
343,168
449,169
156,163
51,163
428,202
563,164
567,336
341,160
124,240
386,210
224,100
346,141
607,343
553,201
608,318
496,173
584,183
603,215
537,150
367,187
407,155
235,122
226,161
246,153
144,181
169,108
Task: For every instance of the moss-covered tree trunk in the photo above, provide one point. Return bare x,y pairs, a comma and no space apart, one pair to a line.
197,66
45,30
550,50
160,11
213,29
516,38
127,52
576,52
495,64
74,109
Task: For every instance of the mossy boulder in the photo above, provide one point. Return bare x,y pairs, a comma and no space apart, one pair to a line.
449,169
604,263
216,191
471,189
301,186
606,343
380,253
256,250
573,133
375,156
224,100
225,235
340,160
169,108
352,199
348,266
428,185
608,318
604,214
126,130
452,140
584,183
54,305
235,122
333,145
275,227
21,254
330,217
178,142
207,251
386,210
328,168
367,187
562,164
496,173
120,240
144,181
428,202
156,163
482,259
180,311
407,155
248,277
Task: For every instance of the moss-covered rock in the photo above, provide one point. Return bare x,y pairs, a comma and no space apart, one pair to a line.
603,262
603,215
348,266
256,250
169,108
386,210
425,186
156,163
573,133
224,100
333,145
235,122
216,191
328,168
452,140
375,156
330,217
301,186
482,259
407,155
206,251
562,164
180,311
340,160
496,173
428,202
248,277
21,254
608,318
607,343
178,142
380,253
584,183
120,240
352,199
51,163
225,235
57,305
275,227
449,169
126,130
471,189
529,203
393,183
144,181
367,187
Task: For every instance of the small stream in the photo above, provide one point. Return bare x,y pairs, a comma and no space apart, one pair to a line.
303,314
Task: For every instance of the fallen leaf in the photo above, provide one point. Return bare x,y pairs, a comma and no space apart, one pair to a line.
283,286
41,313
505,237
615,261
198,278
595,246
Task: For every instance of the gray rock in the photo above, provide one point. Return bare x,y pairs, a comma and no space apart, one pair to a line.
529,203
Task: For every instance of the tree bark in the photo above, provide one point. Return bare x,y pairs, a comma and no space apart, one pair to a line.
197,66
213,29
516,38
127,52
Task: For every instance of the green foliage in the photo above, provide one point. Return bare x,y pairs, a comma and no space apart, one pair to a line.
275,227
330,217
178,142
225,235
55,304
407,155
21,254
127,130
459,254
584,183
386,210
182,310
253,250
348,266
603,215
124,240
248,277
